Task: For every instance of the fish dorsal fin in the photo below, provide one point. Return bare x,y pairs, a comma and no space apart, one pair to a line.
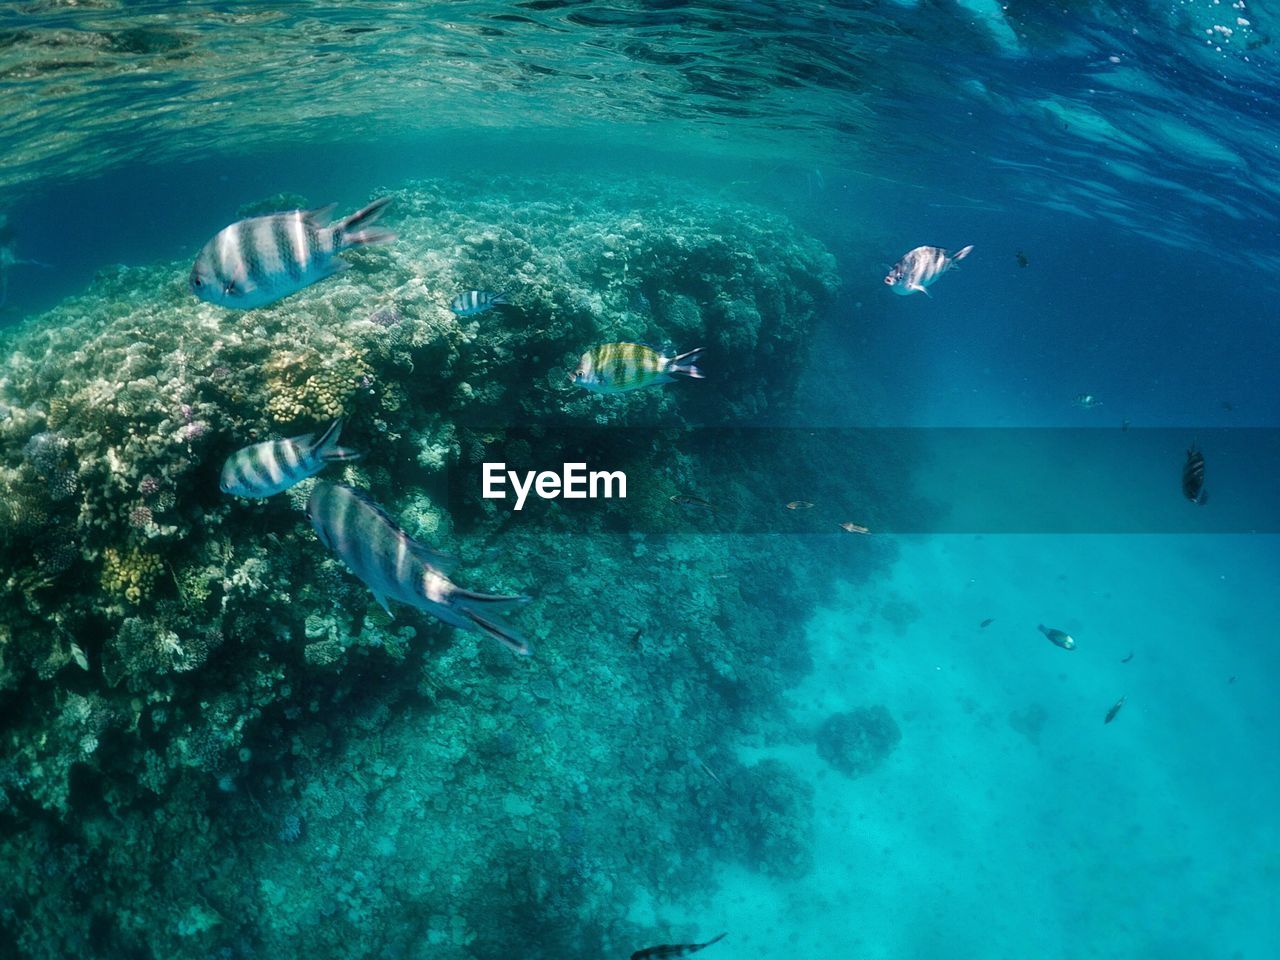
443,562
365,497
321,216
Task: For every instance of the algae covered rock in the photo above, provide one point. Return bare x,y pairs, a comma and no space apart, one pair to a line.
858,741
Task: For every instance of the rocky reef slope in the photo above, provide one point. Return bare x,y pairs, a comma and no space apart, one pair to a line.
212,741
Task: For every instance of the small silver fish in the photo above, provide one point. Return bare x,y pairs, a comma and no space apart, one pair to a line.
396,567
79,656
263,259
920,268
476,301
264,469
1058,638
1087,401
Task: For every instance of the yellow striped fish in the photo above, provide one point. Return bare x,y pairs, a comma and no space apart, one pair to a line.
618,367
265,469
260,260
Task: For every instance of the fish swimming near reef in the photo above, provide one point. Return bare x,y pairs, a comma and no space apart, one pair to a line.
9,259
265,469
920,268
689,500
1115,708
799,505
673,949
1087,401
263,259
79,656
1193,477
1058,637
986,623
851,527
396,567
619,367
471,302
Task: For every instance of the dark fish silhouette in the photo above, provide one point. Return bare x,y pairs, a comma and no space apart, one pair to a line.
689,500
1111,714
1022,259
673,949
987,622
1193,477
1128,658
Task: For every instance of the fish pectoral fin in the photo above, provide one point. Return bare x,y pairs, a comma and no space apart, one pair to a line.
383,602
921,288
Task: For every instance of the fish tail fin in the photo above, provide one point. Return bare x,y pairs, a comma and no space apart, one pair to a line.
962,253
686,365
354,230
326,449
476,607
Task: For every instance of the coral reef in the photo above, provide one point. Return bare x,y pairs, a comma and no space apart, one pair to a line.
858,741
245,693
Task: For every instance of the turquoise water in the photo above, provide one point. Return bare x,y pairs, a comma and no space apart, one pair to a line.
737,716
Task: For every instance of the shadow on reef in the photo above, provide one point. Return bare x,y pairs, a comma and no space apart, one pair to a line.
217,745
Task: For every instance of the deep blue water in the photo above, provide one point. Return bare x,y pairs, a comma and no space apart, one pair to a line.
1115,168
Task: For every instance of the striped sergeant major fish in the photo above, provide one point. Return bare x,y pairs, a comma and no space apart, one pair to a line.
257,261
268,468
1193,477
396,567
471,302
673,949
922,267
619,367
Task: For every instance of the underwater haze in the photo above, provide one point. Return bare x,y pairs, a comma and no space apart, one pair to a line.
934,343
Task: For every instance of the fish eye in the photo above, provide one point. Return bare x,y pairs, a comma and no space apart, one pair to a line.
196,281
